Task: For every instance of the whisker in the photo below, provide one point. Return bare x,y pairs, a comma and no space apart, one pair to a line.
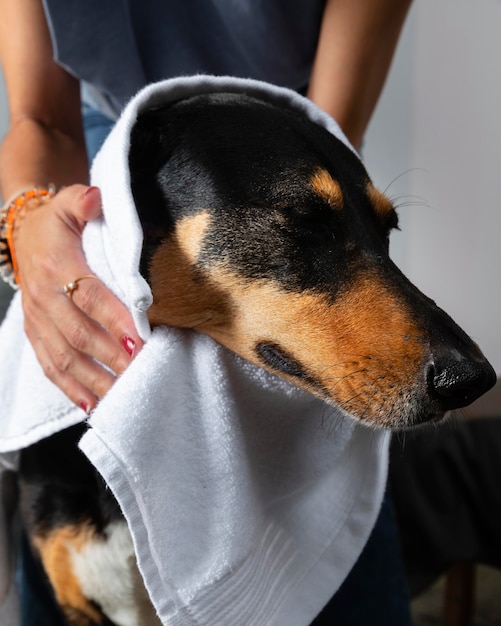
333,417
404,173
400,202
400,436
339,379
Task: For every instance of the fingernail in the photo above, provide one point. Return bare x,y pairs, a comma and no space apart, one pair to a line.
84,406
129,344
90,190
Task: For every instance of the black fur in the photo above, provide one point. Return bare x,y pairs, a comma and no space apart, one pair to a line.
61,487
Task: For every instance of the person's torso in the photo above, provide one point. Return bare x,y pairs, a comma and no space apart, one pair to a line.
119,46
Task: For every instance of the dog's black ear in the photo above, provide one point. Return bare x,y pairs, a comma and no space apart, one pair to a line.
149,142
149,151
170,176
151,145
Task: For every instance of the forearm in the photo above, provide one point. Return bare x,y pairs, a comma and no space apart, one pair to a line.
45,140
356,46
33,154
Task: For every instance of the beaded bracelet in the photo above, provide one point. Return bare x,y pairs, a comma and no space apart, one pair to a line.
8,214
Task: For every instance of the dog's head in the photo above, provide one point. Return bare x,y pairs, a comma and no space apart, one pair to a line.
264,231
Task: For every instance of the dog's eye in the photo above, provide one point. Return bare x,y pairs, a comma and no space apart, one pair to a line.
276,358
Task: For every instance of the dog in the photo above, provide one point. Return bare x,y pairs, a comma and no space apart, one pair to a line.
265,232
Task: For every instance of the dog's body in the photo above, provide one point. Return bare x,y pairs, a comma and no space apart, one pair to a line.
263,231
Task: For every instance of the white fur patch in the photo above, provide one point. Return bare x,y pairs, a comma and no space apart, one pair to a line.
108,575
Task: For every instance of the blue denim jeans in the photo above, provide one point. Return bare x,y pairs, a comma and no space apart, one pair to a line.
96,129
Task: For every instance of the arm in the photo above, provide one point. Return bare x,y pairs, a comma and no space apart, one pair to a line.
44,139
355,49
44,144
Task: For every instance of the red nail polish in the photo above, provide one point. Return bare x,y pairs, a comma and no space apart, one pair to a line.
84,406
129,344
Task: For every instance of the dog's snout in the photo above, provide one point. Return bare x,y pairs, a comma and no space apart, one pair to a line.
456,380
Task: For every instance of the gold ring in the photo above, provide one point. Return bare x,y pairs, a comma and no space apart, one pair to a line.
70,288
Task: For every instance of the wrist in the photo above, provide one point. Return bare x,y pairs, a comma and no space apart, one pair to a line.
12,211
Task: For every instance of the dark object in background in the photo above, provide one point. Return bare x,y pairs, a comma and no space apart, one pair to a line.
447,497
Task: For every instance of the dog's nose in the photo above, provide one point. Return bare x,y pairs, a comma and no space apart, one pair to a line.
456,380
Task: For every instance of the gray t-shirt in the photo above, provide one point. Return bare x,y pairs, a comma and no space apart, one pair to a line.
118,46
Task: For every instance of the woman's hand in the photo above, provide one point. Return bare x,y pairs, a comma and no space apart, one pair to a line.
70,335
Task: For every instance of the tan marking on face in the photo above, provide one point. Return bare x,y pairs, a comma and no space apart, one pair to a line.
364,351
189,234
327,188
55,551
183,295
382,206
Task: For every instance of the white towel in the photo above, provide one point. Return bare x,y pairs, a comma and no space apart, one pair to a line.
248,500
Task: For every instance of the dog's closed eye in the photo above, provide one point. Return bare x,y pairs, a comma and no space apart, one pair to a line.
275,357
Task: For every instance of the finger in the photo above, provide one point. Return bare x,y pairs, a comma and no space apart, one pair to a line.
78,393
61,356
78,205
89,205
64,362
62,359
94,299
61,317
89,336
